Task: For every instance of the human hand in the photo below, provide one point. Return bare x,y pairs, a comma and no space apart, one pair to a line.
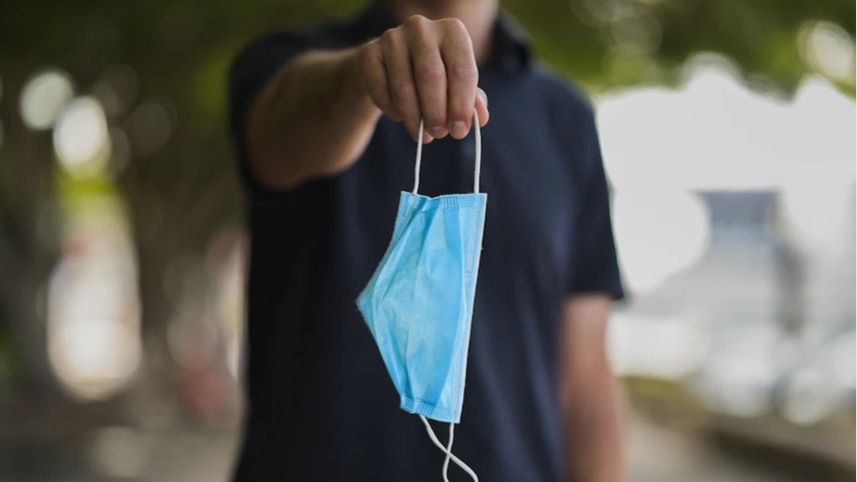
425,69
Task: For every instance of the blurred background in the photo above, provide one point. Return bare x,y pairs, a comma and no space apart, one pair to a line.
728,130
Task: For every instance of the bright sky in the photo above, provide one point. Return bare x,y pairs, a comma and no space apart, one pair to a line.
715,133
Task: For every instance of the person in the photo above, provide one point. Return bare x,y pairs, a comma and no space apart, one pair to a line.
324,121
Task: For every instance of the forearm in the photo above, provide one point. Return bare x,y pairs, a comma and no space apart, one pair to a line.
314,119
594,417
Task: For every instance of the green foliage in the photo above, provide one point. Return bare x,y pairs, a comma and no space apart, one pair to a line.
169,40
180,49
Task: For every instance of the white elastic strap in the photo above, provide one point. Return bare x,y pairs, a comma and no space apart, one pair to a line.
448,452
477,136
419,157
477,169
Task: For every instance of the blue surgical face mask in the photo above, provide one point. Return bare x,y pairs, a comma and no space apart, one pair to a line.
419,303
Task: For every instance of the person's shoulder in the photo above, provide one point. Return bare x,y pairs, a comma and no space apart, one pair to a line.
297,37
562,92
323,35
572,119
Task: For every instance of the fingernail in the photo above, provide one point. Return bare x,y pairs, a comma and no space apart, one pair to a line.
459,129
438,132
427,138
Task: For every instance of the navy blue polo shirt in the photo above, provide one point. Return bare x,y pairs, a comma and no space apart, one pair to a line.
321,404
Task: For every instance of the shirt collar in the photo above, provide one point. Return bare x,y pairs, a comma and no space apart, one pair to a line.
511,53
512,49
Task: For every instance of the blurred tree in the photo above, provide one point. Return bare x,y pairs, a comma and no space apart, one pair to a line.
180,194
28,244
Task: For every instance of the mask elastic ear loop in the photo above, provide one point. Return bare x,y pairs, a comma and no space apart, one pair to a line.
419,157
448,452
477,170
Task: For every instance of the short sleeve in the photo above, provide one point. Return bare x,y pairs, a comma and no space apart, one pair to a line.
595,268
253,68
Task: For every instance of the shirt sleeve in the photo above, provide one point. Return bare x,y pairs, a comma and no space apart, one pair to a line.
595,267
254,67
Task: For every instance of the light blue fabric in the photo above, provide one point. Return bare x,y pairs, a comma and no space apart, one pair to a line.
419,303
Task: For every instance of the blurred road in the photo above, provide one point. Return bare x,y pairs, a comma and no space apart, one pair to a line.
662,455
119,454
657,455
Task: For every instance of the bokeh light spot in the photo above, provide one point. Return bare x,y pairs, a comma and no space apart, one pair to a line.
118,452
807,398
94,357
658,234
44,96
814,211
600,11
108,98
149,127
664,347
81,138
639,34
737,385
842,360
192,341
828,49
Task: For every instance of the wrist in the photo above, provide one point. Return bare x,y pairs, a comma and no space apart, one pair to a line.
354,83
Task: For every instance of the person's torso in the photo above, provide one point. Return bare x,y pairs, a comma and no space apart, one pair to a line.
322,406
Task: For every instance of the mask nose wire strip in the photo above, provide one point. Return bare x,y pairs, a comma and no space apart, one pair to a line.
477,170
448,452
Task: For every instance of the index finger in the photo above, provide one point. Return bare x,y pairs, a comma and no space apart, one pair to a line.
462,78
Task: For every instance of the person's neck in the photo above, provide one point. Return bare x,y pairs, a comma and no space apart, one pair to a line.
477,15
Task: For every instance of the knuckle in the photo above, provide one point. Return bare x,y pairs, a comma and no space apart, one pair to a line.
389,36
402,90
464,71
416,22
430,72
453,25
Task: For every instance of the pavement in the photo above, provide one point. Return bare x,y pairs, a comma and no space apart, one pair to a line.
121,454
